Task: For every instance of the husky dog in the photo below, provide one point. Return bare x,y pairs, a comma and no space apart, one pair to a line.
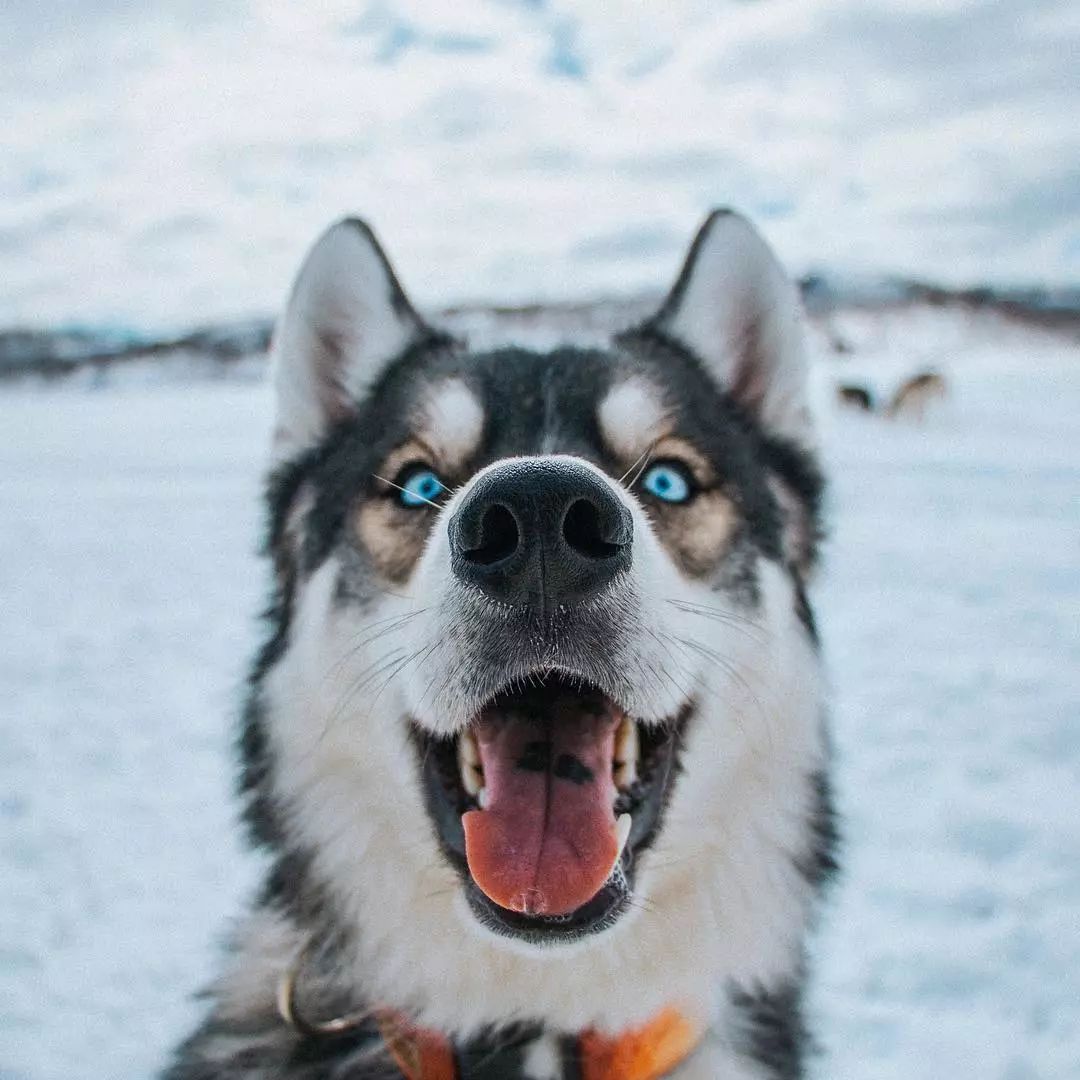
535,747
914,396
854,396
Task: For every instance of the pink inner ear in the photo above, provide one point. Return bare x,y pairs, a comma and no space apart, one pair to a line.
737,311
347,318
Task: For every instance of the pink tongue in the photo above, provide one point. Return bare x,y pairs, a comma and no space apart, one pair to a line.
546,843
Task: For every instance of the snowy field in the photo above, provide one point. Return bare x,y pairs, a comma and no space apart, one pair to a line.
950,606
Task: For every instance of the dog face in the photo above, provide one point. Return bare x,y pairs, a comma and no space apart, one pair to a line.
543,664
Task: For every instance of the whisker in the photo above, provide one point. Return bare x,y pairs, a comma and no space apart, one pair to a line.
682,691
394,674
733,672
637,461
350,693
412,493
728,618
644,466
369,634
431,682
719,612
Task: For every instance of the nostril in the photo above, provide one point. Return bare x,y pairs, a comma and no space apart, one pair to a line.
498,537
584,529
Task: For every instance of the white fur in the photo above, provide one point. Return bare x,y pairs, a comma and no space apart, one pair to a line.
339,329
632,417
452,421
718,1059
719,896
542,1059
739,312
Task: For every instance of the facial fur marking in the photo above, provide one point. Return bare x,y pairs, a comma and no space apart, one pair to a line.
700,534
451,421
632,416
392,537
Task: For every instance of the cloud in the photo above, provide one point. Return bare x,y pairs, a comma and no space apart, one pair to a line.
520,150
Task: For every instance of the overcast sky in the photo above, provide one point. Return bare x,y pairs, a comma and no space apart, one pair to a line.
171,165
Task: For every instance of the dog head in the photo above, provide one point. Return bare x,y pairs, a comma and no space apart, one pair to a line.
541,624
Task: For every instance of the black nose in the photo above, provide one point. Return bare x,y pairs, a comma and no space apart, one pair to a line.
541,532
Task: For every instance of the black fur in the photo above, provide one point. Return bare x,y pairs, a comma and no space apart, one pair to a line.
263,1051
497,1054
803,611
822,864
771,1029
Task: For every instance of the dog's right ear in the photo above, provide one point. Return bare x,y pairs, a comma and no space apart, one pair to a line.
735,309
346,319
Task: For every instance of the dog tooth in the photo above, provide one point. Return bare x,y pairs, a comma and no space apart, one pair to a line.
470,772
470,781
482,798
622,830
468,750
627,751
468,756
627,745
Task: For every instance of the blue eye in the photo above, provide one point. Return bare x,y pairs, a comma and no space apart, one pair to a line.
421,487
667,482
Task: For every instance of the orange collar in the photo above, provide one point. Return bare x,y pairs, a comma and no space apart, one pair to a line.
643,1053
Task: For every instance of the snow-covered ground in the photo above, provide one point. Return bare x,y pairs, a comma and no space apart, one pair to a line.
951,614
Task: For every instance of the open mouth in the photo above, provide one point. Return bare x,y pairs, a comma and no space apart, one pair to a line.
544,803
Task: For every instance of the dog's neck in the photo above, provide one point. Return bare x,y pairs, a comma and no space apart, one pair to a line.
647,1052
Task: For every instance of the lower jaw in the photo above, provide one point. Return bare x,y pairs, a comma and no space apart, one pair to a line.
600,913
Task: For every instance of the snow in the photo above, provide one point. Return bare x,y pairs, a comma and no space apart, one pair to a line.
951,616
176,158
950,606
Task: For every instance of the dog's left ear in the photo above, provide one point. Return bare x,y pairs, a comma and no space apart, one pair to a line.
346,319
735,308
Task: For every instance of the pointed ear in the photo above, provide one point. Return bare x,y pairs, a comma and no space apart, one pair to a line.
346,319
735,308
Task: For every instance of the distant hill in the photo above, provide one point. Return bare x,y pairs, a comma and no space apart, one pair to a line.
58,353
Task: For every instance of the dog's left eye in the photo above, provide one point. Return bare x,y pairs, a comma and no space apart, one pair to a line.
419,486
669,482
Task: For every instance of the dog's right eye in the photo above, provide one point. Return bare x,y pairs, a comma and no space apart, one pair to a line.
417,486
